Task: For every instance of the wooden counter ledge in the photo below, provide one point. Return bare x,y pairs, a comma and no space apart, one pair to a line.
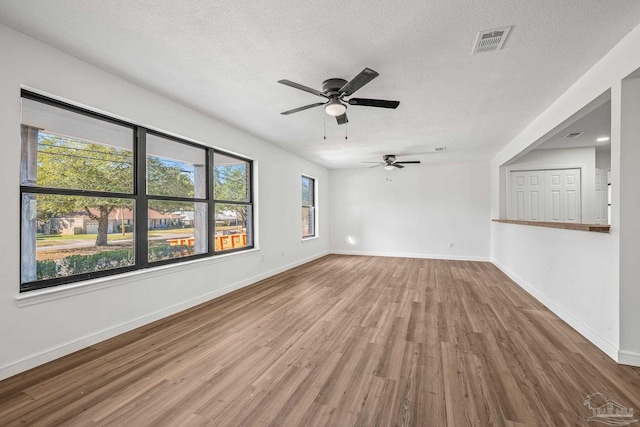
601,228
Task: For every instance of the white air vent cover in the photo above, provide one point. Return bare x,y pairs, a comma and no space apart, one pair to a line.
573,135
490,40
434,150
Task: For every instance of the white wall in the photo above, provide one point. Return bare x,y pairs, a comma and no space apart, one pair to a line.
38,329
629,162
561,267
567,158
417,213
568,271
603,159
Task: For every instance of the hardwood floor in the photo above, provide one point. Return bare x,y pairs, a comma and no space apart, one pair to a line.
342,341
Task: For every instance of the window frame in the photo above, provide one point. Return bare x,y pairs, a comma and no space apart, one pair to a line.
139,197
248,203
143,237
313,206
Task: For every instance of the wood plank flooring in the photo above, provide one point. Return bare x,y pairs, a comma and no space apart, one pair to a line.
341,341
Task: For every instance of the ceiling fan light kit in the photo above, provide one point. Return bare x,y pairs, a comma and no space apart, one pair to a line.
335,108
335,90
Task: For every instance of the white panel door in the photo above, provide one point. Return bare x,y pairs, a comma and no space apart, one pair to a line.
546,195
562,195
527,195
602,197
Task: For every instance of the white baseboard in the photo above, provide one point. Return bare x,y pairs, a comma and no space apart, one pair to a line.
409,255
609,349
629,358
89,340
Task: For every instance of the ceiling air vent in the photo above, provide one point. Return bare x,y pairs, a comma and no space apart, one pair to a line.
573,135
490,40
439,149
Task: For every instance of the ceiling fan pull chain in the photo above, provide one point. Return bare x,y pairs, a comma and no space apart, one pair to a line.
325,127
346,130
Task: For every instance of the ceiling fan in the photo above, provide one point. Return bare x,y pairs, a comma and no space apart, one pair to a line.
335,90
389,162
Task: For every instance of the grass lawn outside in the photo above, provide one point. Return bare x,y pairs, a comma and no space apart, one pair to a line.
59,239
46,240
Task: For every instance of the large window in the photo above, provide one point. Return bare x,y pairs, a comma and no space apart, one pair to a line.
308,207
101,196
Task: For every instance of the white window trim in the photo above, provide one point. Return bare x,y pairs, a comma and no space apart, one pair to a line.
53,293
316,215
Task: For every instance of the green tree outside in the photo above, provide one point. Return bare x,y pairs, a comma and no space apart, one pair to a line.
75,164
231,184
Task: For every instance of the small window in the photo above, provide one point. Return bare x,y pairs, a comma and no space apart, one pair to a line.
233,226
231,178
177,206
308,207
75,235
176,229
66,150
175,169
232,203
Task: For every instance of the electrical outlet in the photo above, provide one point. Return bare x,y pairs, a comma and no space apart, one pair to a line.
450,244
281,253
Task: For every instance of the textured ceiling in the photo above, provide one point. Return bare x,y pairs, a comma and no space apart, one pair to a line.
224,58
596,124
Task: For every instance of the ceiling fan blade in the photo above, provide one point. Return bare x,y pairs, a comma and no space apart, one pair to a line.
378,163
375,166
397,165
295,110
358,81
302,87
342,119
409,162
380,103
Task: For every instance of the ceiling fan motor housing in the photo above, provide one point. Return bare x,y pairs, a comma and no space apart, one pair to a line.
331,87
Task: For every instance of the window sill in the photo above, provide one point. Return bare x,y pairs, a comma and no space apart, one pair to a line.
63,291
600,228
306,239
